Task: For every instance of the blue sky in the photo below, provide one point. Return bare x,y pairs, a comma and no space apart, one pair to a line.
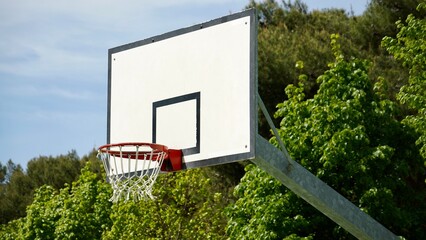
53,64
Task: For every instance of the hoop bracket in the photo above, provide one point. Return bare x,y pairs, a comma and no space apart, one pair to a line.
173,161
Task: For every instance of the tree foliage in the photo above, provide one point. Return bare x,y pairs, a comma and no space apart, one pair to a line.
348,136
409,47
54,171
265,209
77,212
12,230
188,205
18,186
80,211
379,20
3,172
288,33
368,30
15,192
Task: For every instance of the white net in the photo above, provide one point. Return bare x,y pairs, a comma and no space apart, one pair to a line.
131,169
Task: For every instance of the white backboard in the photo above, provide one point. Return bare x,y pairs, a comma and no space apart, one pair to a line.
192,89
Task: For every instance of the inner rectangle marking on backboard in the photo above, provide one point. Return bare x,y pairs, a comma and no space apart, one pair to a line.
183,134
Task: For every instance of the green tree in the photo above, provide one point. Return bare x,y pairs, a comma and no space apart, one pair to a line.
348,136
379,20
54,171
3,173
367,32
409,47
43,214
288,33
95,165
85,214
188,205
15,193
17,186
265,209
80,211
12,230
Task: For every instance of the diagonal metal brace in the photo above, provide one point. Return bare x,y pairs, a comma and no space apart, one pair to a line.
314,191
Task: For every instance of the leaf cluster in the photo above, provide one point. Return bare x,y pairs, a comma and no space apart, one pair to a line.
188,205
348,135
288,33
409,47
17,185
77,211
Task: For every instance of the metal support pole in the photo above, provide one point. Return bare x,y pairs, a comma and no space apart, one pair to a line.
314,191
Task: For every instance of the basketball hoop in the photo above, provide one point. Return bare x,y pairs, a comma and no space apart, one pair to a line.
132,168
